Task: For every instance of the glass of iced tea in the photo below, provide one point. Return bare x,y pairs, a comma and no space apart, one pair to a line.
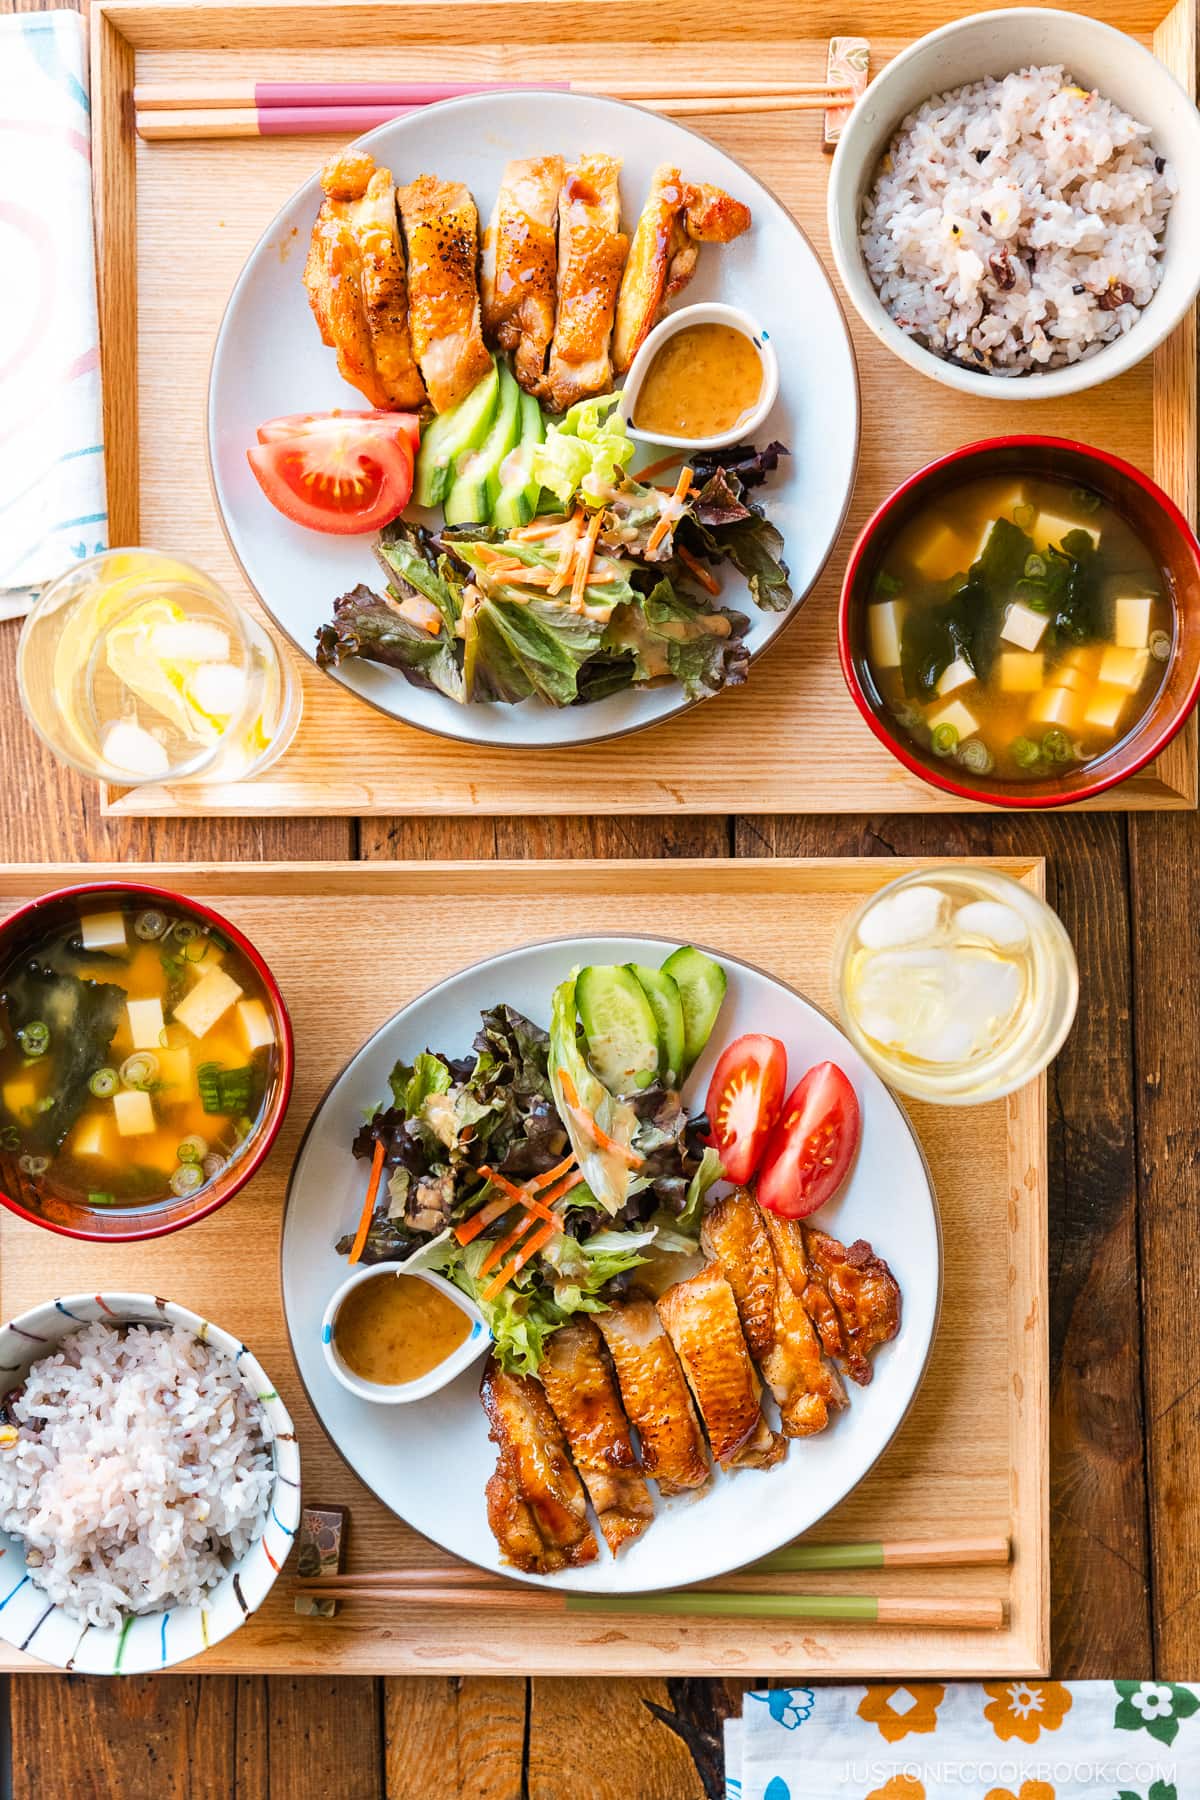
136,668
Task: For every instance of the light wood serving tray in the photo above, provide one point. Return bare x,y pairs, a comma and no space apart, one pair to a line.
177,220
352,942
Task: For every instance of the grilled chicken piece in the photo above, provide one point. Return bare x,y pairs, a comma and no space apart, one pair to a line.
656,1395
356,282
778,1330
520,262
591,256
677,218
863,1293
535,1504
702,1322
441,233
581,1389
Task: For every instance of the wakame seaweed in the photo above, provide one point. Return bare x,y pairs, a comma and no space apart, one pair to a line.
81,1017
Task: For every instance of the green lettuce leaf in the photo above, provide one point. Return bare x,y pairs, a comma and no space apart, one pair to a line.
584,453
410,1084
533,647
667,633
369,625
711,1170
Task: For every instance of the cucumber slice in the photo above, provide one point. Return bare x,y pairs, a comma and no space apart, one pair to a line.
662,991
702,986
476,472
463,428
622,1037
518,496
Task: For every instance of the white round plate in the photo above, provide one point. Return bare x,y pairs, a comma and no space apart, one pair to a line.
429,1461
269,360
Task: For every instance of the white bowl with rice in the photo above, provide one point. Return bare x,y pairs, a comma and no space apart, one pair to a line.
1014,206
149,1483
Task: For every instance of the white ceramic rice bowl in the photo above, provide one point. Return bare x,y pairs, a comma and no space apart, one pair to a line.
146,1642
995,44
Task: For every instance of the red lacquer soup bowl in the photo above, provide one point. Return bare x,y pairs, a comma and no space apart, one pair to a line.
26,1193
1154,518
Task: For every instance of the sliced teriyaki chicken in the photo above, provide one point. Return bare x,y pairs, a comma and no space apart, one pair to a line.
677,218
863,1293
591,256
535,1503
701,1318
441,235
580,1387
656,1396
356,282
777,1328
520,263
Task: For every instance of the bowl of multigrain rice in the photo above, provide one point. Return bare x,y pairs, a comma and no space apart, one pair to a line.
1014,206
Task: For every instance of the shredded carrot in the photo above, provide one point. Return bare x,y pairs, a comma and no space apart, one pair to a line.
554,1174
533,534
704,576
471,1228
571,1096
664,524
500,1249
503,1183
530,1248
364,1223
656,468
567,554
587,551
573,1180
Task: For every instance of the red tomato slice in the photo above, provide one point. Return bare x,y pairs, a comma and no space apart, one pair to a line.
341,478
812,1146
744,1098
301,424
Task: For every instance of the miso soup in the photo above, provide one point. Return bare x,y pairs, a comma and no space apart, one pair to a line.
1018,628
137,1056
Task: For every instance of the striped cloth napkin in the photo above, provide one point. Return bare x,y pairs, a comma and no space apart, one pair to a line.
52,499
991,1740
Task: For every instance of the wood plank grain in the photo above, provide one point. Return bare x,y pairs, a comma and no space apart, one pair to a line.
446,1737
1100,1553
657,1740
79,1738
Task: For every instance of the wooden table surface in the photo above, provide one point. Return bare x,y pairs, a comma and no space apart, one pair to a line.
1124,1270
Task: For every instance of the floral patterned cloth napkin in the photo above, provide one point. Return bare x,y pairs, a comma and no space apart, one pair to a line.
52,498
995,1740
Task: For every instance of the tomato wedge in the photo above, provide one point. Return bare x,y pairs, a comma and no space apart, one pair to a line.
336,475
744,1098
302,424
812,1146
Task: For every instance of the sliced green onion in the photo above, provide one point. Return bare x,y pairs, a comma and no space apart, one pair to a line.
208,1082
976,757
1160,645
1057,746
45,1104
1085,498
1025,752
33,1165
1024,515
1035,567
192,1150
139,1070
1078,751
187,1178
186,931
944,741
150,925
212,1165
907,717
104,1083
887,584
34,1038
10,1138
244,1128
196,950
100,1198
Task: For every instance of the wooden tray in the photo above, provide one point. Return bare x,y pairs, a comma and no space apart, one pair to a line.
351,943
176,221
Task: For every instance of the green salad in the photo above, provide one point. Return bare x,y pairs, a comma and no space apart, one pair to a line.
539,1171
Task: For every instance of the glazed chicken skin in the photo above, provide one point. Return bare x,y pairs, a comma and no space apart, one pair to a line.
535,1503
656,1396
677,218
863,1293
441,235
357,285
580,1387
520,263
701,1319
591,255
777,1328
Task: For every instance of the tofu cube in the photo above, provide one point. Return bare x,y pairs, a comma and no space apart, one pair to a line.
19,1097
1022,671
256,1025
1023,627
91,1137
1059,706
207,1002
176,1074
133,1111
1132,623
213,957
103,931
1105,707
956,675
1078,680
1084,657
146,1024
1051,528
884,620
1122,668
1008,505
956,714
942,554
